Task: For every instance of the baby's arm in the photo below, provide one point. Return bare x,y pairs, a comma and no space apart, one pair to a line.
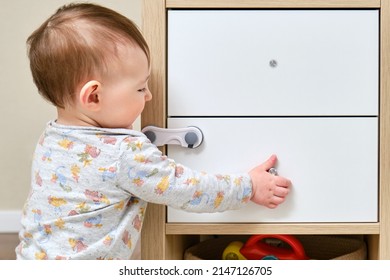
147,174
267,189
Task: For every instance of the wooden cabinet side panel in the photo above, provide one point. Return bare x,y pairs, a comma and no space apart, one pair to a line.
154,30
384,152
153,238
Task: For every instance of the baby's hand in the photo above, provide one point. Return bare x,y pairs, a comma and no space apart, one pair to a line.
267,189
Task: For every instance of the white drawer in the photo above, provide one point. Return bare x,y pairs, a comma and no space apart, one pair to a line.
219,62
332,163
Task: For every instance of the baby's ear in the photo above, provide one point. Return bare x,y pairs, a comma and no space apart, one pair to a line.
89,96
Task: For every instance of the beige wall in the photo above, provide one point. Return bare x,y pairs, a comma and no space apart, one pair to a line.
23,113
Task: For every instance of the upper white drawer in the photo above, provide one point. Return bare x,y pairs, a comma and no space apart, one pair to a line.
273,62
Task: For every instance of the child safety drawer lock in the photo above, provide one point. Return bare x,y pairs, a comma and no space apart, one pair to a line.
188,137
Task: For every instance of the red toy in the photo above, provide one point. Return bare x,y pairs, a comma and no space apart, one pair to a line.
257,249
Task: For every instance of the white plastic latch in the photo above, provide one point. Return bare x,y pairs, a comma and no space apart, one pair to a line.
188,137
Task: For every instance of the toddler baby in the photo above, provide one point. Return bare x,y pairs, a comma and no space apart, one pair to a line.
92,174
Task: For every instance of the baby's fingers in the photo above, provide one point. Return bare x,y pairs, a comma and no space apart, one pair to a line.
276,200
281,191
282,182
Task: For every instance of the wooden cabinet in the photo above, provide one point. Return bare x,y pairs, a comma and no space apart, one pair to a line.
315,81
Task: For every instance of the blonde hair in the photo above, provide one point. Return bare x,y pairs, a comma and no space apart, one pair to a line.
74,44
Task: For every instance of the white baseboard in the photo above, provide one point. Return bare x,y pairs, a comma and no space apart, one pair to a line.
10,221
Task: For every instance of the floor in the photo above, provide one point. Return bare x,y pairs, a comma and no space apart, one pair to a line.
8,242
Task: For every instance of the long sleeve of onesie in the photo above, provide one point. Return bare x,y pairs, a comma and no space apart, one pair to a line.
155,178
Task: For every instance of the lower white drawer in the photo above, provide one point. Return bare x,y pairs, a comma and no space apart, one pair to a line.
332,162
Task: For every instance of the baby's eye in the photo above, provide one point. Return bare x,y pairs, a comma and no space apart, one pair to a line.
142,90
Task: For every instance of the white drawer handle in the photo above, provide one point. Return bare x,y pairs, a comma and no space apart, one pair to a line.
188,137
273,63
273,171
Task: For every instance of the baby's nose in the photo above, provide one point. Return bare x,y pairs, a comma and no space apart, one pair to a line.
148,96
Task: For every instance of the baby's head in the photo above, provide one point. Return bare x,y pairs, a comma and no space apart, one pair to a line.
77,44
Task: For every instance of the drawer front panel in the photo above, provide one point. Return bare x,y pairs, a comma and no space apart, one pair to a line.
332,163
273,62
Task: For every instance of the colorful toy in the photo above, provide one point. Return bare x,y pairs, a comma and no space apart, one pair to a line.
257,249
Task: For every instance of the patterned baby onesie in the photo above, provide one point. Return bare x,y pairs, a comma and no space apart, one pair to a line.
90,187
